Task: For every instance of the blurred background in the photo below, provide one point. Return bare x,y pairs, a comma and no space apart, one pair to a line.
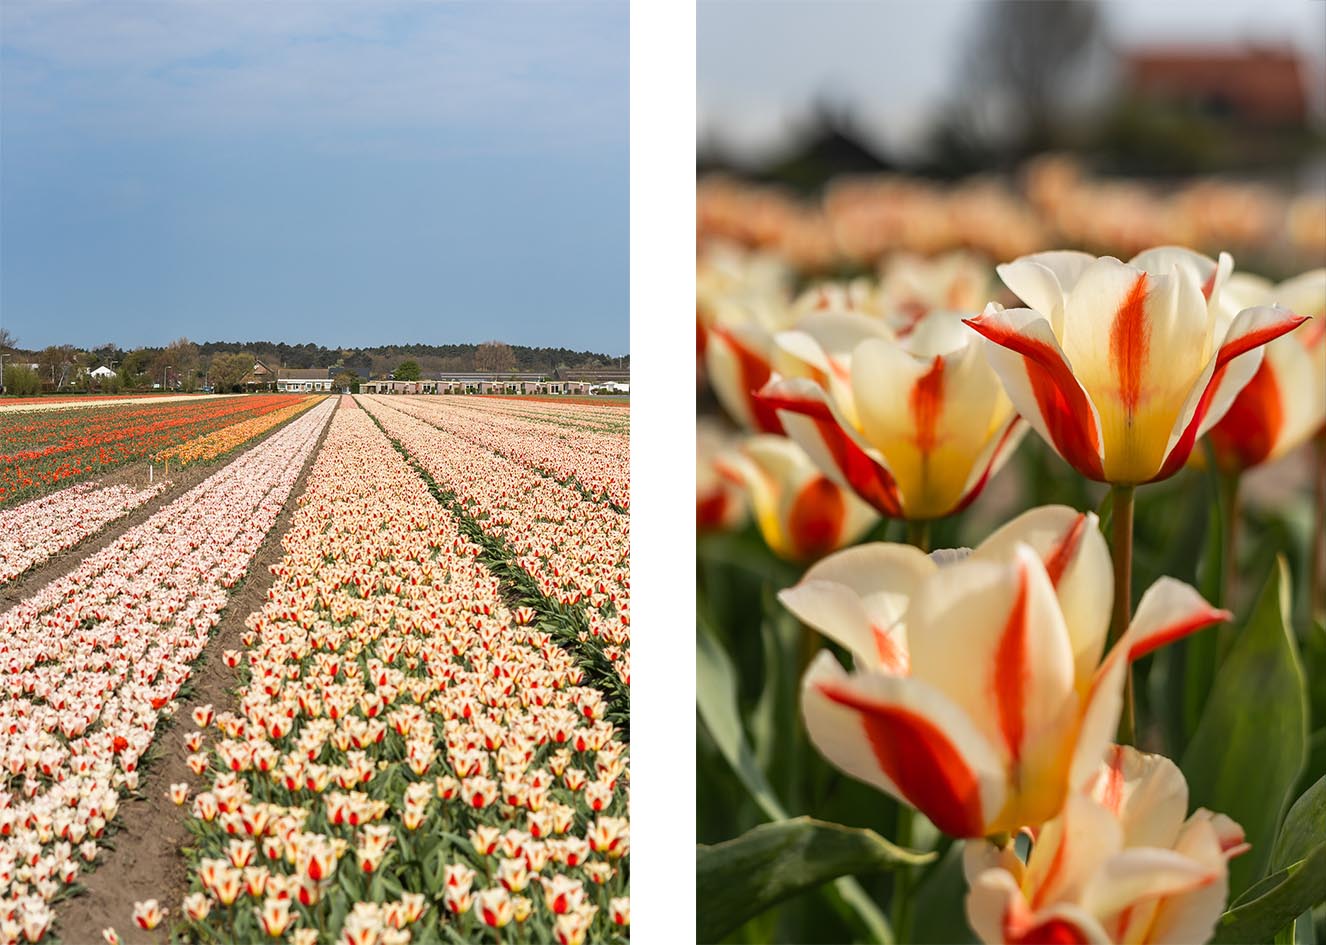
824,126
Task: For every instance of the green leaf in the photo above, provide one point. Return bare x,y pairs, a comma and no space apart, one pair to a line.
740,878
1304,828
1251,743
716,701
1277,901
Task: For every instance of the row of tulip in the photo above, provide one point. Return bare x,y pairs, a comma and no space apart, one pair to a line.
36,531
860,221
554,444
410,761
576,551
987,688
38,404
209,447
49,448
606,417
93,661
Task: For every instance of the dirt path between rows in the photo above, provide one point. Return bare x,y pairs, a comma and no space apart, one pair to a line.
150,831
135,475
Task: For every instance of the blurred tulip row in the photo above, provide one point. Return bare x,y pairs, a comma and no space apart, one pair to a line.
410,759
227,438
93,661
992,691
1055,202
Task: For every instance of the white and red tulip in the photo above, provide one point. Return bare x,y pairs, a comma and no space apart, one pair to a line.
1122,367
1118,864
980,695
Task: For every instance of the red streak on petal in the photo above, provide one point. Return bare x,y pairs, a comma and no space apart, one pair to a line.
927,402
815,522
1053,932
1209,286
1011,675
975,490
1228,352
1248,431
1129,343
1177,630
1061,555
755,372
1112,797
921,760
868,479
891,656
1052,873
710,511
1062,401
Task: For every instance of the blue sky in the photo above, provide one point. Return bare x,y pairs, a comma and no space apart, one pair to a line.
343,172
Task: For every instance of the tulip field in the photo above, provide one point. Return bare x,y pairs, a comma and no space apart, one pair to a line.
424,737
47,447
1011,596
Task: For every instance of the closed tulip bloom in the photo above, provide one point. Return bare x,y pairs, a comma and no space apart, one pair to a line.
1285,402
1121,367
915,426
801,513
980,695
1118,864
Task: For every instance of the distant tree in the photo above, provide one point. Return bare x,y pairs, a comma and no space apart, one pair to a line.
227,370
58,365
496,357
407,371
1023,61
178,362
21,380
346,380
8,341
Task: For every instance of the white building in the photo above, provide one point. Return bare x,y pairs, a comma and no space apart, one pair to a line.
303,380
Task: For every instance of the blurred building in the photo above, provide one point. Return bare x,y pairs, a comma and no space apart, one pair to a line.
1257,86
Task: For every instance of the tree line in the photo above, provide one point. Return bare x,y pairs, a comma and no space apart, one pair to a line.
220,365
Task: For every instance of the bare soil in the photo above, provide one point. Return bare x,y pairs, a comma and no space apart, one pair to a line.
150,832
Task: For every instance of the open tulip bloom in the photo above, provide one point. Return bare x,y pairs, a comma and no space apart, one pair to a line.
1285,402
1119,864
981,695
915,426
1121,367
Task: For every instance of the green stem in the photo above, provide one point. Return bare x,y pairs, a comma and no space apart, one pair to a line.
1229,507
1317,577
918,534
900,907
1122,552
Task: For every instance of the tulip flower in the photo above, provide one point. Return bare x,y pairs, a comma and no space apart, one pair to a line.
719,502
980,694
1120,367
148,914
1285,401
914,426
1117,864
801,513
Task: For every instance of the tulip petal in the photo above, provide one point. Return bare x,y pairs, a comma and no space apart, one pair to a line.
1100,719
1069,850
1236,361
907,739
1143,874
1042,281
1147,793
738,363
1191,916
1077,561
1000,449
999,915
1039,381
1136,342
1168,611
1015,677
813,421
857,598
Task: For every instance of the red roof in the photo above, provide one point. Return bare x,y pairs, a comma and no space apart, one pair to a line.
1260,85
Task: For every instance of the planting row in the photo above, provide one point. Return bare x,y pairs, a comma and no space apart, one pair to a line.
93,661
31,404
575,551
216,444
599,462
36,531
410,761
604,417
37,451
